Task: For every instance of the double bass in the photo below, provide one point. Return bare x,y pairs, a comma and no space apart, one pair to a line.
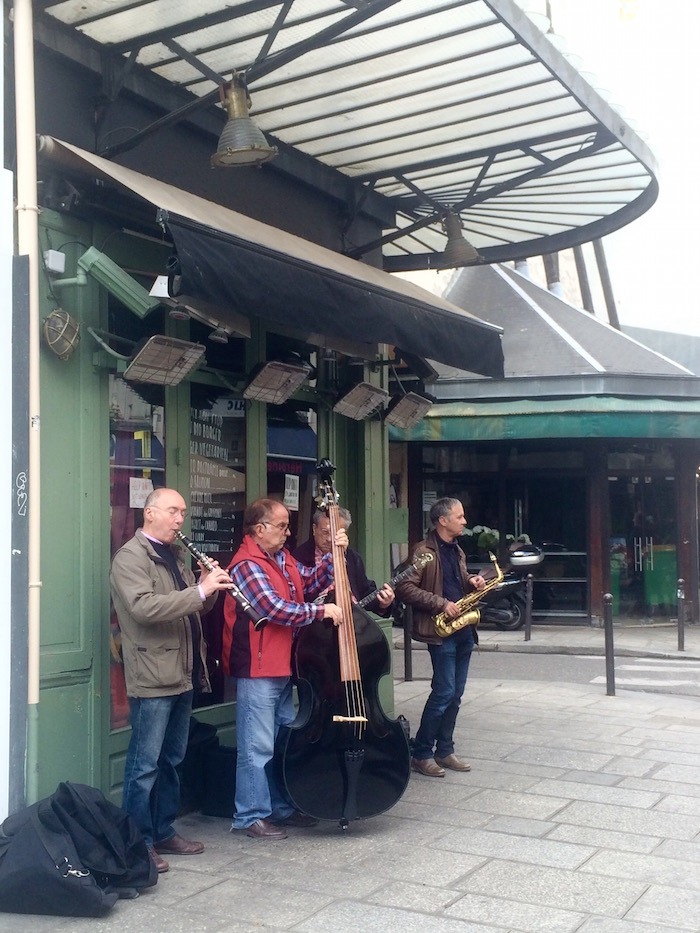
342,758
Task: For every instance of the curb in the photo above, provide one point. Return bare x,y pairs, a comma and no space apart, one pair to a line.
597,651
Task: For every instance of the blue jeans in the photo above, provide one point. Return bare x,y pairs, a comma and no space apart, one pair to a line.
160,728
263,704
450,668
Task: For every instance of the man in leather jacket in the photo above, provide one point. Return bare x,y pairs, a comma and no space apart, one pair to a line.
434,588
158,603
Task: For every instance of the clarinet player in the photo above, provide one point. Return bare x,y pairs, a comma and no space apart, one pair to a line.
158,604
434,588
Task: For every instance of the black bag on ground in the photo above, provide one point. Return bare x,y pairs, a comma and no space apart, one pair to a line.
72,854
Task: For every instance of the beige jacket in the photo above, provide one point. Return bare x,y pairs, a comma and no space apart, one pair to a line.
154,620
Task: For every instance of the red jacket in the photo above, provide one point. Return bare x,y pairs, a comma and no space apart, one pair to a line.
267,652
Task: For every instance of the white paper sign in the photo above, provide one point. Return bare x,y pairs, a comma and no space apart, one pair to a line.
291,492
139,490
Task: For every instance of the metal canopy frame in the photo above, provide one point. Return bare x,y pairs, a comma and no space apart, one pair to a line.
429,106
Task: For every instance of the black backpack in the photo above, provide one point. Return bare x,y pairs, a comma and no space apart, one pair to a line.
72,854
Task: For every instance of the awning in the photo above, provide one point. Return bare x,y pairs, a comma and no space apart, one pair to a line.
247,267
585,416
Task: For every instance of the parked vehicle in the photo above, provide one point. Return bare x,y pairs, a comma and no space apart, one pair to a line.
504,605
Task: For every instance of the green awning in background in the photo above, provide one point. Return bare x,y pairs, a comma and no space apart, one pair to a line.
594,416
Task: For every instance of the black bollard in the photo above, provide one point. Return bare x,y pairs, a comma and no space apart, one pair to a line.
528,607
609,647
680,597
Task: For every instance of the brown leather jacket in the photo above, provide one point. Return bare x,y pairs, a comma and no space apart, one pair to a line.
422,590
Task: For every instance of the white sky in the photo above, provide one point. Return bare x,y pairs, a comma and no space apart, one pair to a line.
645,53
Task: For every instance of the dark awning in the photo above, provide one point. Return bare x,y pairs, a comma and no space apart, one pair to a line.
247,267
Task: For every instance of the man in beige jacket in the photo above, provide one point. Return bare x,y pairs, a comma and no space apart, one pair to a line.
158,604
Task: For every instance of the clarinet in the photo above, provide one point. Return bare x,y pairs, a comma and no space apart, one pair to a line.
234,592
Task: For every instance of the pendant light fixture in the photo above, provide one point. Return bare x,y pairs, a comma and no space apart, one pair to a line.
241,141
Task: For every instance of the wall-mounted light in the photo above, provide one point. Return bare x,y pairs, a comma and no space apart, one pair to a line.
218,335
405,411
61,333
241,141
164,360
361,401
275,382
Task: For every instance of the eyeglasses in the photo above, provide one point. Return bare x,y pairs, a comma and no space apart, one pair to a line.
280,526
172,511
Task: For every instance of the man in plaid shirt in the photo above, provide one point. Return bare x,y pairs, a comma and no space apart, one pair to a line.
282,591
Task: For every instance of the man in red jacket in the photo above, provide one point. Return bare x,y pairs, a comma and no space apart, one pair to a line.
282,591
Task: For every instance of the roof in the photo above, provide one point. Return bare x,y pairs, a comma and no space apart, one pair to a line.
551,348
437,106
684,348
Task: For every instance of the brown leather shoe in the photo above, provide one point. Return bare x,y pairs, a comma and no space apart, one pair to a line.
453,763
264,829
427,767
297,820
178,845
160,863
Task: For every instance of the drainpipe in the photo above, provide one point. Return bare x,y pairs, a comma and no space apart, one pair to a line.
28,244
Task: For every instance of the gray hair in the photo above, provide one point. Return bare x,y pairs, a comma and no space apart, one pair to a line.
440,508
343,514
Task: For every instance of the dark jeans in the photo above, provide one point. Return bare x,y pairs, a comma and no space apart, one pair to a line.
450,667
159,732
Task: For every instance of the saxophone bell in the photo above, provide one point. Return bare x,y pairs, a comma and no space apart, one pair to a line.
445,627
468,613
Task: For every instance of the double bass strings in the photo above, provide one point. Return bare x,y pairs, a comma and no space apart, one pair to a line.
347,642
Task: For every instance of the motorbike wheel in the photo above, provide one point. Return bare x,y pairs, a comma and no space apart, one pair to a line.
515,605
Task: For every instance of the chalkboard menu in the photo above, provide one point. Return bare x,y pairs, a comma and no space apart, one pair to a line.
217,477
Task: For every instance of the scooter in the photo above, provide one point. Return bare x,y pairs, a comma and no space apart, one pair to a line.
504,605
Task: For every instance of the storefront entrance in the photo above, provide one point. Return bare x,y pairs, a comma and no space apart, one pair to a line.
643,545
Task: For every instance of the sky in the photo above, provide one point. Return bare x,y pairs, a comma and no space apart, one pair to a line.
644,55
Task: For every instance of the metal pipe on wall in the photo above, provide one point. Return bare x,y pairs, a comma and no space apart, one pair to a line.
28,245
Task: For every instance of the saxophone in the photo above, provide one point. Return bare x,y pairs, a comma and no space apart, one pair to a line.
468,615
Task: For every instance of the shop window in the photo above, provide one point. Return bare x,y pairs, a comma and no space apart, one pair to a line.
217,503
640,457
292,455
136,465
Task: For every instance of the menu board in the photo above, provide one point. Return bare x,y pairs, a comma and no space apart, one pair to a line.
217,479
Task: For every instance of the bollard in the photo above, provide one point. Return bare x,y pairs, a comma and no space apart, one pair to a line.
528,607
609,647
680,597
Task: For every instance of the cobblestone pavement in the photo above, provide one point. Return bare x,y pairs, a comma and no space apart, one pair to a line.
581,815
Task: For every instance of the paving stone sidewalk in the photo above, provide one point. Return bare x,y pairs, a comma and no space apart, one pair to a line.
581,815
